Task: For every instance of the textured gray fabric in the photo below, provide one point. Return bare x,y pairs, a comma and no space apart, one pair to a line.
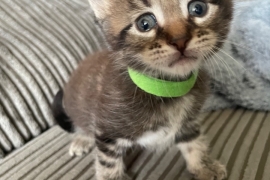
243,78
41,42
239,138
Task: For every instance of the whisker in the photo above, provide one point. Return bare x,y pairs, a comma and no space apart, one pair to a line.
235,43
209,64
225,53
243,47
223,62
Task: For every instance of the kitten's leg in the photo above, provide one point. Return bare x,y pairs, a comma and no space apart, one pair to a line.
81,144
199,163
109,161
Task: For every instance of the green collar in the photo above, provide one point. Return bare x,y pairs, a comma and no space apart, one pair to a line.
162,88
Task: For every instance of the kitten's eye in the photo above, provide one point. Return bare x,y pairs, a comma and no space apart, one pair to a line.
146,22
197,8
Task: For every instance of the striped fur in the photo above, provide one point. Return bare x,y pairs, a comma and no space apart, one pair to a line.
103,102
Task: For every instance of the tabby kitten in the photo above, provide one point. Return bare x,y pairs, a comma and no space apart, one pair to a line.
166,40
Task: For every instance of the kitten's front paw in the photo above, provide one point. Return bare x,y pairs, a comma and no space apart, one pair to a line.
80,145
211,170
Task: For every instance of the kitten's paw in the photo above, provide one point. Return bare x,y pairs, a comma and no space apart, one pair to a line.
80,145
211,170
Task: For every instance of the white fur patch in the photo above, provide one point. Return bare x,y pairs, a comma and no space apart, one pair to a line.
124,143
184,7
165,137
159,139
158,12
81,144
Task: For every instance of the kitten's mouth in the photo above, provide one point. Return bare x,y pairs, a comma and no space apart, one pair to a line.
182,60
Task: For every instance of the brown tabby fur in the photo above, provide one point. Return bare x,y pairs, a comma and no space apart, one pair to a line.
101,102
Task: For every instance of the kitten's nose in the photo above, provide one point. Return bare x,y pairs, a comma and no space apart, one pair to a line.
180,43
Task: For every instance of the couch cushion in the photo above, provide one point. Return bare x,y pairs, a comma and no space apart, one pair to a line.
41,42
239,138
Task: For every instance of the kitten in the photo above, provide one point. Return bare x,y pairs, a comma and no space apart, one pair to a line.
161,39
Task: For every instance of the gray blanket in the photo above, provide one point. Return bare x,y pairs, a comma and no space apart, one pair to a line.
41,42
241,71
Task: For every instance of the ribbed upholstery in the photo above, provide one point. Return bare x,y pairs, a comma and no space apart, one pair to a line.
40,45
239,138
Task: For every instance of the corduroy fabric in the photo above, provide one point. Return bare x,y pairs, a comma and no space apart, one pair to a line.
41,43
240,139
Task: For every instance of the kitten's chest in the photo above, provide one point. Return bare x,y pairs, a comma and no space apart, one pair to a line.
165,135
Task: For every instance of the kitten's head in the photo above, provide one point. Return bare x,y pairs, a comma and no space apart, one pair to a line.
167,36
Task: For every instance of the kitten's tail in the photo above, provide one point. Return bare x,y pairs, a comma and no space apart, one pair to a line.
59,113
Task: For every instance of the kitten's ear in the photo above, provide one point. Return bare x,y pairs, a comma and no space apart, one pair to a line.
100,7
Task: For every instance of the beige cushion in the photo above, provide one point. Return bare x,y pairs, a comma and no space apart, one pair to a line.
41,42
239,138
